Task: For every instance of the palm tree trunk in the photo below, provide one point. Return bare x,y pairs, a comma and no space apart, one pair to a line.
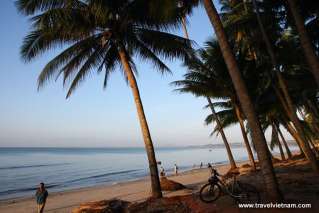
258,137
155,183
246,141
284,142
288,112
303,142
271,155
221,130
305,41
184,27
282,154
293,116
295,135
314,148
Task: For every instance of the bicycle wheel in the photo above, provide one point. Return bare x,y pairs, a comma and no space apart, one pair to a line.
209,192
248,193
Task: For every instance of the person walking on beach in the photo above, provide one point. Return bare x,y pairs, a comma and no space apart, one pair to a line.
41,197
162,172
175,169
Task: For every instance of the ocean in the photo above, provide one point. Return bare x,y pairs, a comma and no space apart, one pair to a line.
22,169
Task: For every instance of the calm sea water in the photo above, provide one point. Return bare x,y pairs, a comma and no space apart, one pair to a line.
21,169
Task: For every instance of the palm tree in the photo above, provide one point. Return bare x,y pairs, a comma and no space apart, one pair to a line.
239,115
184,11
208,76
101,35
221,131
243,28
275,141
283,141
222,82
183,8
246,103
291,109
198,82
230,115
268,120
306,43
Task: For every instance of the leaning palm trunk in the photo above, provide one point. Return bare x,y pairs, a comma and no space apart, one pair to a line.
282,84
258,137
289,127
314,148
282,154
184,27
221,131
246,141
156,187
295,135
305,41
271,155
284,142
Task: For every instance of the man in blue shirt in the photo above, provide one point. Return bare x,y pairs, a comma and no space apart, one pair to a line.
41,197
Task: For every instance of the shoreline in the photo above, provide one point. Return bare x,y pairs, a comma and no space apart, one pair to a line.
133,191
84,188
169,171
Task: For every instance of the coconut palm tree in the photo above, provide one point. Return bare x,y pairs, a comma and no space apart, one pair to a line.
101,35
287,99
240,119
283,140
243,26
275,141
208,75
222,82
246,103
268,121
228,116
305,40
199,82
221,131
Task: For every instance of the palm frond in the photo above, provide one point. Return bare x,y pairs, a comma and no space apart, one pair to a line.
93,60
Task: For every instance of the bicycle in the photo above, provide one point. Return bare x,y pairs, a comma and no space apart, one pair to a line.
240,192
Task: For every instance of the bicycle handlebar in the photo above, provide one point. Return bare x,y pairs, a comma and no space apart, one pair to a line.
213,170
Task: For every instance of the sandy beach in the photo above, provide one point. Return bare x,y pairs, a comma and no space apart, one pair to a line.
133,191
298,183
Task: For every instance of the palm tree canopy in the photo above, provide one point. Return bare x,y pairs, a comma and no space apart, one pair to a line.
93,31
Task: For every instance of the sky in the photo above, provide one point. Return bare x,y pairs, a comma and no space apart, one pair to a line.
92,116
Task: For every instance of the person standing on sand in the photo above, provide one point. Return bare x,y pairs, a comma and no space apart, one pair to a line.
162,172
41,197
175,169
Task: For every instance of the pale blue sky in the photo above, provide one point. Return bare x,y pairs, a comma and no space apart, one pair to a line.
93,116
